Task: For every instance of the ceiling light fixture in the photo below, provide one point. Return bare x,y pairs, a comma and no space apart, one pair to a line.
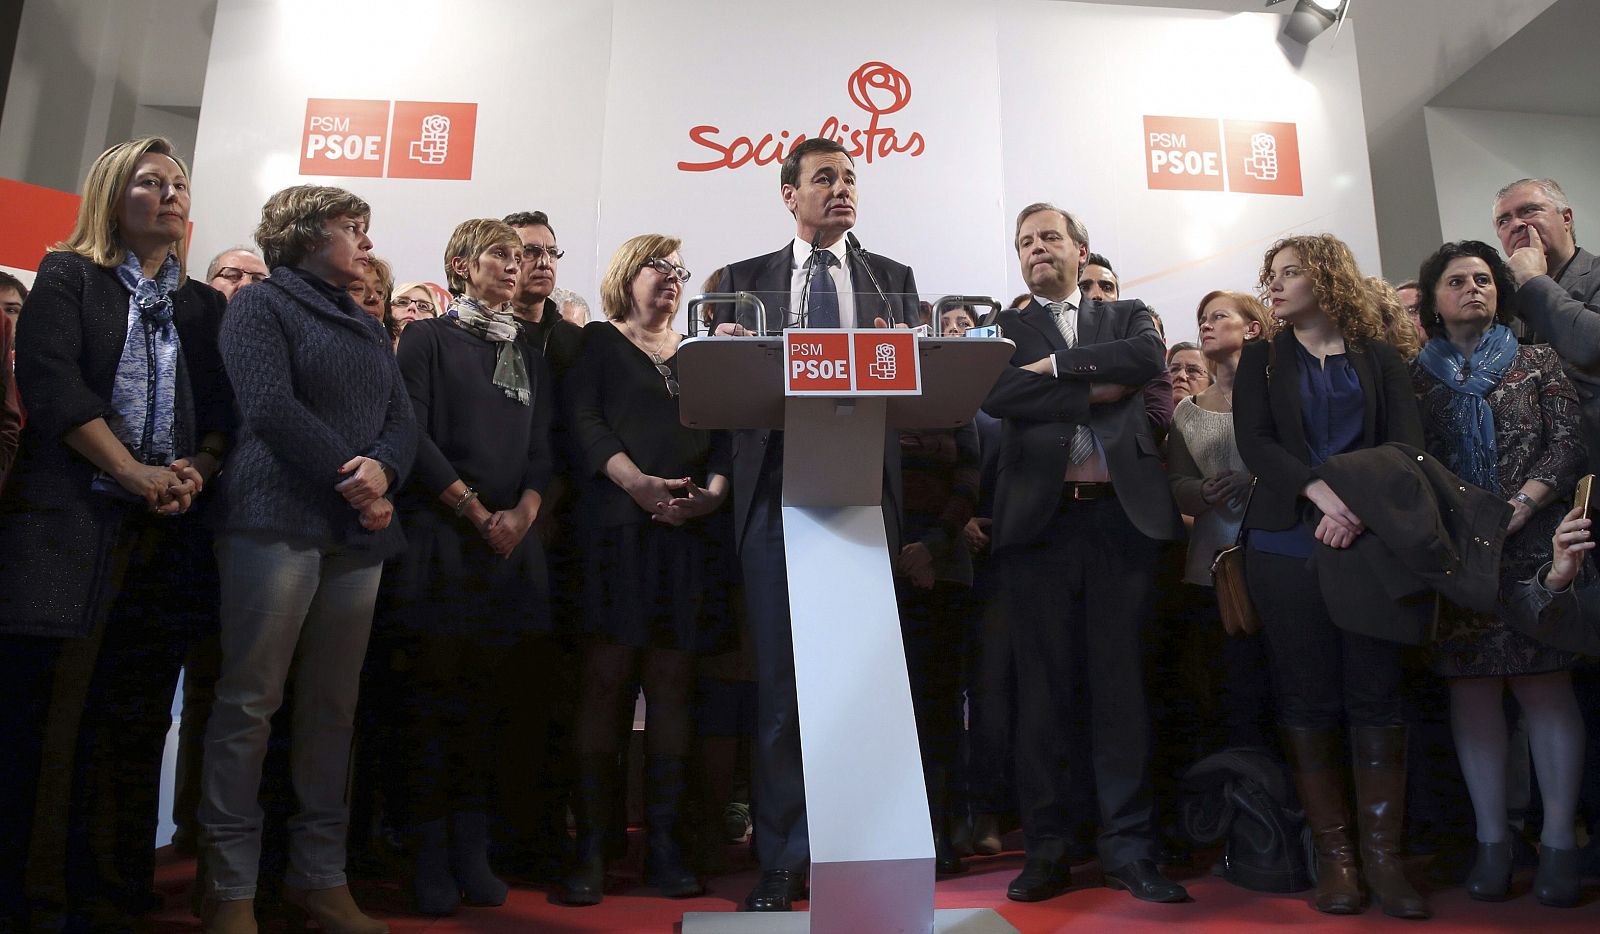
1311,18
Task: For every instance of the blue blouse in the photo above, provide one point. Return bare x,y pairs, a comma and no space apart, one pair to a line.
1332,407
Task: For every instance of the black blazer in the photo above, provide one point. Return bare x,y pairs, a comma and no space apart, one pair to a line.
1271,437
769,275
55,534
1117,343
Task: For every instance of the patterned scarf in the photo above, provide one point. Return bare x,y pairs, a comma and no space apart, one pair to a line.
1469,418
152,414
510,371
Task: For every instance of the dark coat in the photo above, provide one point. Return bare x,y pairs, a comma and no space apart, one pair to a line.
1117,343
59,540
1427,532
1271,437
1566,312
1569,620
317,384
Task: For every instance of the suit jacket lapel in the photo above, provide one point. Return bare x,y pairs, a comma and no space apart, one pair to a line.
868,305
773,286
1039,318
1091,316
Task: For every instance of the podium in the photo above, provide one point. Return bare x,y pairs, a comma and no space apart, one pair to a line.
866,804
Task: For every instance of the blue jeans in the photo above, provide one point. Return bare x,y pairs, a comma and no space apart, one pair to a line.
281,601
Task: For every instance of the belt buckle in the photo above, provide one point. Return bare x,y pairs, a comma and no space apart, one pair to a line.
1078,493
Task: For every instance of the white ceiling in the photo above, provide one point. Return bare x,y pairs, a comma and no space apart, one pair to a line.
1549,67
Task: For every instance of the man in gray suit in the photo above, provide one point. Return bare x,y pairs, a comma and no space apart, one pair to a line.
1558,286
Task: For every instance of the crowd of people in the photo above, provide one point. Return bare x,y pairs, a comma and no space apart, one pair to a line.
418,549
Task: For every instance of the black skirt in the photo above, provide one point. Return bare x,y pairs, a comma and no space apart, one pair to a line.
651,585
449,581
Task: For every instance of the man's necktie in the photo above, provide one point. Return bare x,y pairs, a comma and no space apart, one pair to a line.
1082,445
823,299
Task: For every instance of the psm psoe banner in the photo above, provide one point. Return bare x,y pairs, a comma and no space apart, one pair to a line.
863,362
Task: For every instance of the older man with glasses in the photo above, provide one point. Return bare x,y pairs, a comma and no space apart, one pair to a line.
235,268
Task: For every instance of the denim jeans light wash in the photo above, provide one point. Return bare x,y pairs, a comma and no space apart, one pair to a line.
284,600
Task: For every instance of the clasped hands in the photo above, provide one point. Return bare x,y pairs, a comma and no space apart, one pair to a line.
1339,526
363,487
167,491
671,501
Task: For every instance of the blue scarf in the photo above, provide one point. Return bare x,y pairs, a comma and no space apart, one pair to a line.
1469,418
151,416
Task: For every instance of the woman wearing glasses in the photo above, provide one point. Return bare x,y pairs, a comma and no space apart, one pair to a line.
1326,384
473,581
650,593
412,301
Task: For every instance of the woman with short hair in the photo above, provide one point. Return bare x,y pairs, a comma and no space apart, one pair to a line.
651,595
107,573
473,583
1502,416
327,431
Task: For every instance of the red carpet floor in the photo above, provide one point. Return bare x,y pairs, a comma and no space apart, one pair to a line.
1217,907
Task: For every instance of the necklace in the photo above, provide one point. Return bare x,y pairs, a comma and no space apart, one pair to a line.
635,335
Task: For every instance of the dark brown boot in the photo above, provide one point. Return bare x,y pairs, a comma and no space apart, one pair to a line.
1380,767
1317,758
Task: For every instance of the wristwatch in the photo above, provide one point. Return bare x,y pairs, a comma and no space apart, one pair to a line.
1526,500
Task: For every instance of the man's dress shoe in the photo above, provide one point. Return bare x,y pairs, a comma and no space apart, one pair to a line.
1144,881
1040,879
777,890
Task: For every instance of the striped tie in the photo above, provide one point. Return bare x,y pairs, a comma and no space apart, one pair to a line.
1082,445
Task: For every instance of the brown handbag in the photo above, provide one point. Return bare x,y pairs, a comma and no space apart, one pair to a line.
1239,616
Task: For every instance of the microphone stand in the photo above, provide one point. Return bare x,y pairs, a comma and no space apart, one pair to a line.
805,285
853,247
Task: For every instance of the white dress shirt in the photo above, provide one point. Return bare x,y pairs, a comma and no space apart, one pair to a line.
841,281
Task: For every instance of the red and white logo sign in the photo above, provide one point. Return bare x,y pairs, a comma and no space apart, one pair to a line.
851,363
1183,153
344,137
432,140
875,87
1207,154
1263,158
358,139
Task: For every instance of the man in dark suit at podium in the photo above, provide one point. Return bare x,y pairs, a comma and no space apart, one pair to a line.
1081,505
843,286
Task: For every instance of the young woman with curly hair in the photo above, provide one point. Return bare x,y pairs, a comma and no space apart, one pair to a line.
1326,384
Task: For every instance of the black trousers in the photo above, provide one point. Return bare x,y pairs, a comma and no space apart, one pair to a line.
1321,674
1084,590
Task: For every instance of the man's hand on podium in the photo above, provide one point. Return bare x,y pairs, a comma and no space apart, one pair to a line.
731,329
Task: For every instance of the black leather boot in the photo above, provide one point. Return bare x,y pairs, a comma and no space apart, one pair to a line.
584,883
664,865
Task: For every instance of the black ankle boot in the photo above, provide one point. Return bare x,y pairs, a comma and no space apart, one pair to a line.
664,787
1490,879
584,883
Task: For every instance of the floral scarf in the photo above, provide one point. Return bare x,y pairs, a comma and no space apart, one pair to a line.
501,327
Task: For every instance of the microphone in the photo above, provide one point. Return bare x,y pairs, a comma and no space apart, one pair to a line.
852,245
805,285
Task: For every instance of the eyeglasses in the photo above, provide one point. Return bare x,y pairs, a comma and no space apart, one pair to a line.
426,307
235,274
531,254
1189,370
666,374
668,269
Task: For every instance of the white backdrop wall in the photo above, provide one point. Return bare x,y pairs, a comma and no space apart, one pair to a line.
1476,152
585,111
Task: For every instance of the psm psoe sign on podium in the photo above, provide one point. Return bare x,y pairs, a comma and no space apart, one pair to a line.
871,362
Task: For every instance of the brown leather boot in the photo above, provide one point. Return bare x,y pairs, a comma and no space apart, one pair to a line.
333,909
1380,767
1316,756
234,917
